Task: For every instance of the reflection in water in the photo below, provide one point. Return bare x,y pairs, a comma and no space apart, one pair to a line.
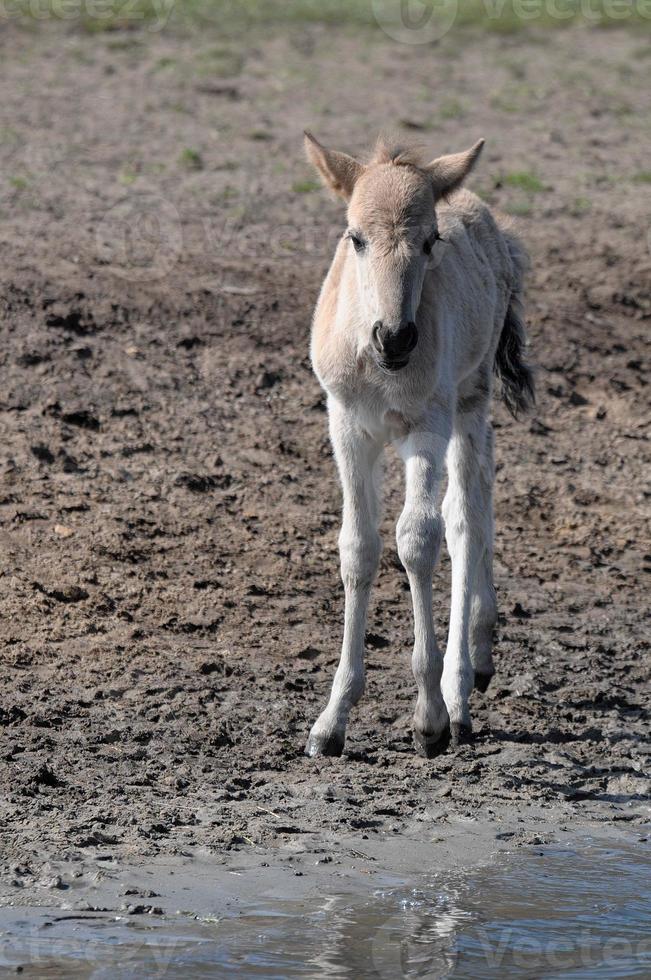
572,913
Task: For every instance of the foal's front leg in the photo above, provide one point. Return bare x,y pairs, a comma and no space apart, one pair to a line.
419,534
360,547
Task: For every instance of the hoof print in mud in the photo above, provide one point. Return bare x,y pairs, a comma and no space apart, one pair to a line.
429,746
460,735
330,745
482,681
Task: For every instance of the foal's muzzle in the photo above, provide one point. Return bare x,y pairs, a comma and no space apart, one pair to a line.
394,346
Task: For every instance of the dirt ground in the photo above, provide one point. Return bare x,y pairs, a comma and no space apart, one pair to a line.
169,509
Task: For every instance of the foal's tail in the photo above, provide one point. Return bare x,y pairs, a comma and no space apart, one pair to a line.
518,391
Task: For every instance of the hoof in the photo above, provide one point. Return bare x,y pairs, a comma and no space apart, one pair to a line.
482,681
332,745
460,734
429,746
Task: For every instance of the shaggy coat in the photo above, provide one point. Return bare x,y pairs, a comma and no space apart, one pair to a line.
421,305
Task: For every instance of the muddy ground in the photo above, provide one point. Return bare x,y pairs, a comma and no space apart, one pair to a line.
171,605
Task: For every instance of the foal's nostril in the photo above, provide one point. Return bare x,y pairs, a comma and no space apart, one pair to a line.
411,337
399,343
377,336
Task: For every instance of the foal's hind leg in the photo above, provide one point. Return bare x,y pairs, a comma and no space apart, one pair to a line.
483,613
468,529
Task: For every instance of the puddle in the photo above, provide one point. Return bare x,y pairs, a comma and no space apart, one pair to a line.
580,912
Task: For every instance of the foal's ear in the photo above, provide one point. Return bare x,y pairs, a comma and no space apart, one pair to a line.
449,172
338,171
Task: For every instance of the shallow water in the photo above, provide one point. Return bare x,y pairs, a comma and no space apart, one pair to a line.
574,912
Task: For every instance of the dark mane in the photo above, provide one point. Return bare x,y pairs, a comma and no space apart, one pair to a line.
402,155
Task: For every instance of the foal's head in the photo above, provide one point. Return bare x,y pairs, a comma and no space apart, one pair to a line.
391,232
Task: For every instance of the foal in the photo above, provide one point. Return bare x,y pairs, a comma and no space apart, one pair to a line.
422,301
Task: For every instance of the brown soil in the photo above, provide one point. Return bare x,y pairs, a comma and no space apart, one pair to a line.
171,605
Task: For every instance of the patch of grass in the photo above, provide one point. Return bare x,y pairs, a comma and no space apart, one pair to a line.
524,185
80,55
231,17
487,194
231,14
128,176
19,183
451,109
221,61
191,159
124,43
112,16
521,209
643,177
620,107
227,194
505,103
524,180
305,186
9,136
511,17
520,97
164,63
580,206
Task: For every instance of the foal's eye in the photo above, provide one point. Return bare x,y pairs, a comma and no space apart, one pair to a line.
358,243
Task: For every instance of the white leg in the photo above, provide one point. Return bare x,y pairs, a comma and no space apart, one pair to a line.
360,546
418,535
483,613
468,528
